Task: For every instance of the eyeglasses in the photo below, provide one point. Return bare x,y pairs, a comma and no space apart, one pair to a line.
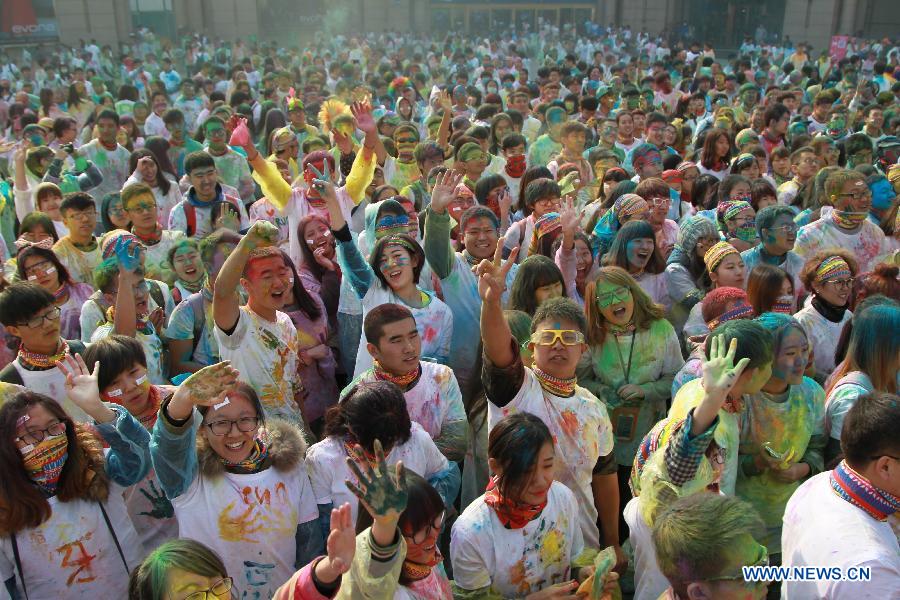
51,315
244,425
841,284
419,537
621,294
82,216
117,211
186,259
809,161
659,200
548,337
857,195
216,132
785,229
218,590
36,436
38,267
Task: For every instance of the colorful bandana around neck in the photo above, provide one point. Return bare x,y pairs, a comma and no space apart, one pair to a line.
855,489
512,514
252,463
414,571
44,361
564,388
847,219
44,462
401,381
832,267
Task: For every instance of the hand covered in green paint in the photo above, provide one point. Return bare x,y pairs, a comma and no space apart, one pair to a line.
206,387
381,491
444,191
719,371
162,508
261,235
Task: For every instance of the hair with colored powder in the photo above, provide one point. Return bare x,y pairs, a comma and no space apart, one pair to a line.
753,341
370,411
645,310
514,443
694,536
150,579
715,303
534,272
874,347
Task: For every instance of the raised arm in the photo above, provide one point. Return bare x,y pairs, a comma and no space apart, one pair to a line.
271,183
362,111
128,254
495,333
438,251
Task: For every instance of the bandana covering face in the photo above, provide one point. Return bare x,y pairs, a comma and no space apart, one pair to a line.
512,514
715,255
847,219
853,487
784,305
515,166
44,462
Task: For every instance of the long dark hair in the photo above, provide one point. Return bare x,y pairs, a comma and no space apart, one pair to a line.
22,504
618,252
50,255
368,412
302,298
534,272
161,180
159,146
708,156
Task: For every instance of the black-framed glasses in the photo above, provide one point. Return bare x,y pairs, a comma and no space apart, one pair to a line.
36,436
841,284
51,315
419,537
219,589
223,427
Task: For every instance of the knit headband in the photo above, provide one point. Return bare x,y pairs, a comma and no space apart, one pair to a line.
546,224
729,209
630,204
396,240
742,311
717,254
832,268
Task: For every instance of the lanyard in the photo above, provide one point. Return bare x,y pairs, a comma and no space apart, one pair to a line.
626,370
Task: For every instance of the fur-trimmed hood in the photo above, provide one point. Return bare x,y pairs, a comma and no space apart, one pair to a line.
286,446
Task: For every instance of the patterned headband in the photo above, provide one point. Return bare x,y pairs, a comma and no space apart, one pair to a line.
44,244
396,240
717,254
729,209
743,311
630,204
832,268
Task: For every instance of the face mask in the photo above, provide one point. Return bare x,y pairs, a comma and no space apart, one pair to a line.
784,305
746,233
515,166
44,462
846,219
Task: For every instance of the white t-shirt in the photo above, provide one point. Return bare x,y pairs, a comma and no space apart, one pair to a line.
823,529
823,335
73,554
52,383
582,432
516,562
328,470
151,512
265,354
649,582
250,520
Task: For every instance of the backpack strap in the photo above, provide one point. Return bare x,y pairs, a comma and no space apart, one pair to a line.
114,536
195,301
18,560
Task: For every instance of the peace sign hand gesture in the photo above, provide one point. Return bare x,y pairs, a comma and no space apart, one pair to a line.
492,274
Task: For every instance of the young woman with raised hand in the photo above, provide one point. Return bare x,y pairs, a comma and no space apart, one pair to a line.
237,482
66,530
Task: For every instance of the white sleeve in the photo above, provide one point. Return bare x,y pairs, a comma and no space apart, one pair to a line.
435,462
321,474
470,568
233,341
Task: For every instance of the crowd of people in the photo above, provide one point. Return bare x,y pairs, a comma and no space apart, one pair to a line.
546,316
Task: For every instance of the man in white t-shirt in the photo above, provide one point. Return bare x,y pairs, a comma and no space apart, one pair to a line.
848,517
259,339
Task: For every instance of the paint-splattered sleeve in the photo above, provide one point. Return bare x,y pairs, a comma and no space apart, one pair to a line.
352,263
173,452
502,385
815,449
128,460
437,243
272,184
454,428
360,176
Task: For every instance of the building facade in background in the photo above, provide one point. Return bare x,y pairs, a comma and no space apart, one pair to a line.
724,23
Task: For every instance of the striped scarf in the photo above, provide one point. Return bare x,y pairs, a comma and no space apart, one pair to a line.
252,463
855,489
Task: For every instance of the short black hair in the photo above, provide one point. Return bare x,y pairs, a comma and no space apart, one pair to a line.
539,189
172,116
198,160
116,354
870,429
775,112
381,315
560,309
77,201
511,140
108,113
21,301
753,341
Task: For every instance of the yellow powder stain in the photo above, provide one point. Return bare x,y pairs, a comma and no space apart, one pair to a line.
552,548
